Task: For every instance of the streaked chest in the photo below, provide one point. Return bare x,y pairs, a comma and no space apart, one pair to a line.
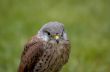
52,60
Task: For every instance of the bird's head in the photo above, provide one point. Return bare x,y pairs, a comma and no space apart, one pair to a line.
53,32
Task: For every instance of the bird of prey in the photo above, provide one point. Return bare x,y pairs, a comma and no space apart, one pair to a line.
47,51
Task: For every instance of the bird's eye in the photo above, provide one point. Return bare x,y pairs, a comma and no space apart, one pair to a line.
62,33
48,32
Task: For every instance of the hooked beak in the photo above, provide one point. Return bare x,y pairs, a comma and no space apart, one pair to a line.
57,37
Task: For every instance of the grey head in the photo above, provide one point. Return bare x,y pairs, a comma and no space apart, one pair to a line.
53,31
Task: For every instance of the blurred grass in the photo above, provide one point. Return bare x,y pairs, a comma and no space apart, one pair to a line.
86,21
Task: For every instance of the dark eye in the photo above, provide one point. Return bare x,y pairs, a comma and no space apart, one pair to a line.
62,33
48,33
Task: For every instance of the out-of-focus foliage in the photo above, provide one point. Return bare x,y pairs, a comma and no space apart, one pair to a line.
87,23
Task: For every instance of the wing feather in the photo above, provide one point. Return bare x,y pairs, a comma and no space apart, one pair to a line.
33,50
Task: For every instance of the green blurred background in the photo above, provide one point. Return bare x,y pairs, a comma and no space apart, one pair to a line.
87,23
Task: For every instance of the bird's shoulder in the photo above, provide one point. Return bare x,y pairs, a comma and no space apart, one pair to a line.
33,43
33,50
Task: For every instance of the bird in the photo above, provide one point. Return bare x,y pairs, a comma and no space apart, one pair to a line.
47,51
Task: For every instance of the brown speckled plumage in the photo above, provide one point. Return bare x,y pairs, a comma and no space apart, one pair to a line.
42,56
